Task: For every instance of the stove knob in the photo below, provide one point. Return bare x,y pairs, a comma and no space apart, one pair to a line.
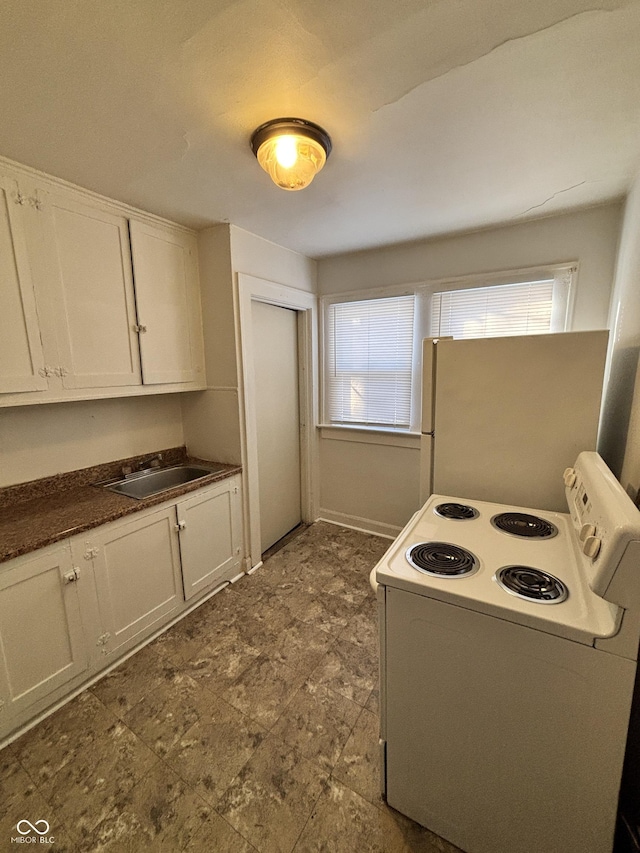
591,546
587,530
569,477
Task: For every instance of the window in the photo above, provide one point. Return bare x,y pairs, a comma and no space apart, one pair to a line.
372,347
489,312
369,350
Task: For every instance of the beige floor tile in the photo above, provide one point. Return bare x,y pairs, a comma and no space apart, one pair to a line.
218,836
348,586
342,822
52,744
221,661
214,750
162,717
88,789
183,640
161,813
288,599
299,645
17,792
266,618
47,826
137,676
348,669
373,702
318,723
359,764
263,690
329,613
361,630
273,796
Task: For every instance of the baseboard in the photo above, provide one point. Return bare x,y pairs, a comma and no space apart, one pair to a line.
365,525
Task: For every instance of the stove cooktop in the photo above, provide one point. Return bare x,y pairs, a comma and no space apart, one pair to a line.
545,545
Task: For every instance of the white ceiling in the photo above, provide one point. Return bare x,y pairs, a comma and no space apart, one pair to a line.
445,115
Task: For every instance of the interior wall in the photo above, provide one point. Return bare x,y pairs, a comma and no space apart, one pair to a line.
620,429
589,237
256,256
39,441
212,418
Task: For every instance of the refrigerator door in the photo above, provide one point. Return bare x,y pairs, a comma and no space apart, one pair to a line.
426,467
512,413
428,377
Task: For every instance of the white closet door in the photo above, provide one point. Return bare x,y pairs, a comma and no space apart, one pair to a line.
275,347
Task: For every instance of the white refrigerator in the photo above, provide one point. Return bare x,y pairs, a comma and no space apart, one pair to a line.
503,417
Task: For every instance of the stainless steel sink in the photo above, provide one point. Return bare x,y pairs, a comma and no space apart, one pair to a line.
144,484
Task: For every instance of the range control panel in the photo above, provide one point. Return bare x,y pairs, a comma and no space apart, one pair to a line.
604,517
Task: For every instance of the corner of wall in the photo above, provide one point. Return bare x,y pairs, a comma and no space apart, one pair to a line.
621,409
261,258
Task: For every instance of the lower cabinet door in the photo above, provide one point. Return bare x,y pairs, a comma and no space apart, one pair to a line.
42,645
137,576
210,525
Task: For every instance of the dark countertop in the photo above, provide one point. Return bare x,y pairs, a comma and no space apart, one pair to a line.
39,513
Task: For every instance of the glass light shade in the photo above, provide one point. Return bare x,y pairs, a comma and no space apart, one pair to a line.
291,150
291,161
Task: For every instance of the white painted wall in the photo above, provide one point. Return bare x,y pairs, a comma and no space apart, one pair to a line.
38,441
378,488
262,258
368,484
620,431
212,418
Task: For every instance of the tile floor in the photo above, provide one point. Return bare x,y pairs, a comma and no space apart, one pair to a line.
251,725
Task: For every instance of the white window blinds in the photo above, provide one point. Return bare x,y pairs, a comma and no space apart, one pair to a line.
369,361
507,309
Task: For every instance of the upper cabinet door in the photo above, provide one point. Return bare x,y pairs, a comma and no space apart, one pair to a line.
21,358
167,294
88,251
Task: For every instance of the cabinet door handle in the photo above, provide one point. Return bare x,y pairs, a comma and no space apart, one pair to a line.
181,525
72,576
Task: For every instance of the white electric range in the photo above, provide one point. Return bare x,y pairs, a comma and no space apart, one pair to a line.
509,641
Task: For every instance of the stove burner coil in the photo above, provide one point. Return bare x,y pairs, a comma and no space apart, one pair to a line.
442,560
522,524
531,584
457,512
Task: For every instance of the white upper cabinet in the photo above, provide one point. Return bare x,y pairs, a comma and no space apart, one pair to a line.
168,298
21,357
96,300
89,263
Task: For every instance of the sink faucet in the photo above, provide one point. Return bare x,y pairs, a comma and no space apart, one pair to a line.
150,462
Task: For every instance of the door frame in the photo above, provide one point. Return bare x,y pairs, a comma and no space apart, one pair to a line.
249,289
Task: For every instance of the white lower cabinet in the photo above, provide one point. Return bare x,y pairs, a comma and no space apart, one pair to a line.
210,525
69,611
136,566
42,643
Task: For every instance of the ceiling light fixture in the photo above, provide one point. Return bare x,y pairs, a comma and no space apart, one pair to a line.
291,150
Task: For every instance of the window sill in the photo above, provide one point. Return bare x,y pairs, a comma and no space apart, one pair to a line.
370,435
